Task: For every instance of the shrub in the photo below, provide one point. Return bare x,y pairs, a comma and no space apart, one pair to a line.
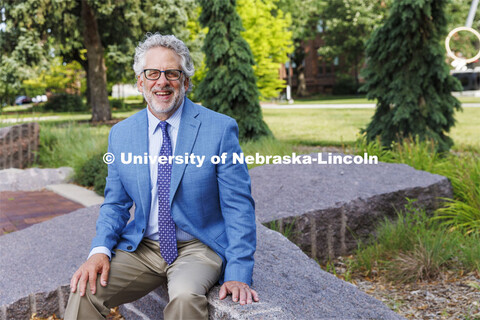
93,173
64,102
119,104
344,85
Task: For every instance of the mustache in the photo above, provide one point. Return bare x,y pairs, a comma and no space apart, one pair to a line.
166,88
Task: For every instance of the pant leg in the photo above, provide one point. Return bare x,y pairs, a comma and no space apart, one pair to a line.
129,279
192,274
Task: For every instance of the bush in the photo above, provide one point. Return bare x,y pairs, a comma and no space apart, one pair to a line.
344,85
93,173
64,102
119,104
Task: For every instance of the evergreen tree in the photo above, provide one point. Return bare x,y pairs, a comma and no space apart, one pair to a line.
406,72
230,86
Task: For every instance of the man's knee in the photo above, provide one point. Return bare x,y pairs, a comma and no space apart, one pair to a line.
186,297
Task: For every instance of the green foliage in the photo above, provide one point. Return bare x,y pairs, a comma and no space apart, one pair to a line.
407,74
230,86
64,102
57,78
35,29
267,33
415,247
463,170
344,85
119,104
465,42
93,173
462,212
305,17
69,144
347,25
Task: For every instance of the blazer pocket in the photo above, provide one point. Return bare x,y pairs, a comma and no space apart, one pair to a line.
222,240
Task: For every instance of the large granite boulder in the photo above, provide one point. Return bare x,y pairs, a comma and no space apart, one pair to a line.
37,264
325,208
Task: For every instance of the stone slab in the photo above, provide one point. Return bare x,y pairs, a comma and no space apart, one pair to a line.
33,178
290,285
39,261
43,257
326,209
76,193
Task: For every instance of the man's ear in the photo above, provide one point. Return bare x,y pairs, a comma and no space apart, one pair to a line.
140,83
186,83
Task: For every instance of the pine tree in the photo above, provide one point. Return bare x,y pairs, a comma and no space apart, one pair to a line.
230,86
406,72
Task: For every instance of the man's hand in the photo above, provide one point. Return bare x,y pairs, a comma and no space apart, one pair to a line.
238,289
98,263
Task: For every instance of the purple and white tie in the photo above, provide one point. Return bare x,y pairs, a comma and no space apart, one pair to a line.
166,226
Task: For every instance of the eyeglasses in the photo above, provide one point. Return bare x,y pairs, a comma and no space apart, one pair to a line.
155,74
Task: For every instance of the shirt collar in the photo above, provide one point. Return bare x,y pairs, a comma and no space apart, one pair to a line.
173,121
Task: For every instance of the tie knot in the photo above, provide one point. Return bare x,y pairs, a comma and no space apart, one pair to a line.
163,125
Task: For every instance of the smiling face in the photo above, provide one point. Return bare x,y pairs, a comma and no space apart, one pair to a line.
163,96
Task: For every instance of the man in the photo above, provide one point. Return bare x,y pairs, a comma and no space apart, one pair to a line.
194,222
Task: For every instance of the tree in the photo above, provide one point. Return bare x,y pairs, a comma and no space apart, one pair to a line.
57,78
267,33
347,26
102,28
406,72
229,86
305,21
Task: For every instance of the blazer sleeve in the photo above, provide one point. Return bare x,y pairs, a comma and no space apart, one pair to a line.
114,212
238,209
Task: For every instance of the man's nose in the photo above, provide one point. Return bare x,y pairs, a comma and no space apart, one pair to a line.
162,81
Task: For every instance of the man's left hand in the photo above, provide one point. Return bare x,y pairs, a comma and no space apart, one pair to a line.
238,290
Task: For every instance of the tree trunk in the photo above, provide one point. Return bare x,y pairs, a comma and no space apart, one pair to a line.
301,83
357,81
96,75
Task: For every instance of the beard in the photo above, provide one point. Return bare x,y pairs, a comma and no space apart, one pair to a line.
164,107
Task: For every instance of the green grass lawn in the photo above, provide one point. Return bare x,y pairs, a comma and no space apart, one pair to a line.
356,99
342,126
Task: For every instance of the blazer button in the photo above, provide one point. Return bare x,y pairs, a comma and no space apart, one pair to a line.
143,230
129,248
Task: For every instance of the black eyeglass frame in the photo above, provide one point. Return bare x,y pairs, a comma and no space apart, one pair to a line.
160,74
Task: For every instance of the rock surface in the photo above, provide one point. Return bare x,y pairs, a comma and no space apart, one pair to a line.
326,209
32,179
37,264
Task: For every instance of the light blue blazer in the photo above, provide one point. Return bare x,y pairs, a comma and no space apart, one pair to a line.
213,203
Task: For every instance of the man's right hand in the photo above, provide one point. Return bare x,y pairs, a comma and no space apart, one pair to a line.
98,263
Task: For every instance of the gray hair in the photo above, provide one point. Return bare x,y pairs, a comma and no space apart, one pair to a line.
168,41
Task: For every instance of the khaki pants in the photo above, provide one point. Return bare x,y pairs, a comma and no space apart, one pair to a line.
134,274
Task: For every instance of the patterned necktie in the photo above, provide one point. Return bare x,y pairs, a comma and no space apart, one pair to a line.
166,226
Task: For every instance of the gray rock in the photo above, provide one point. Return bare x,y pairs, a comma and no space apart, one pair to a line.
33,178
326,209
42,258
290,286
37,264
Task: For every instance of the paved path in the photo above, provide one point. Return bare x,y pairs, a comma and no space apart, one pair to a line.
36,195
21,209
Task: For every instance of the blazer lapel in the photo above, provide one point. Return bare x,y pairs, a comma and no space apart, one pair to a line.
187,134
140,147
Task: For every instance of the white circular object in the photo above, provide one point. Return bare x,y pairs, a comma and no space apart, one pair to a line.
447,44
